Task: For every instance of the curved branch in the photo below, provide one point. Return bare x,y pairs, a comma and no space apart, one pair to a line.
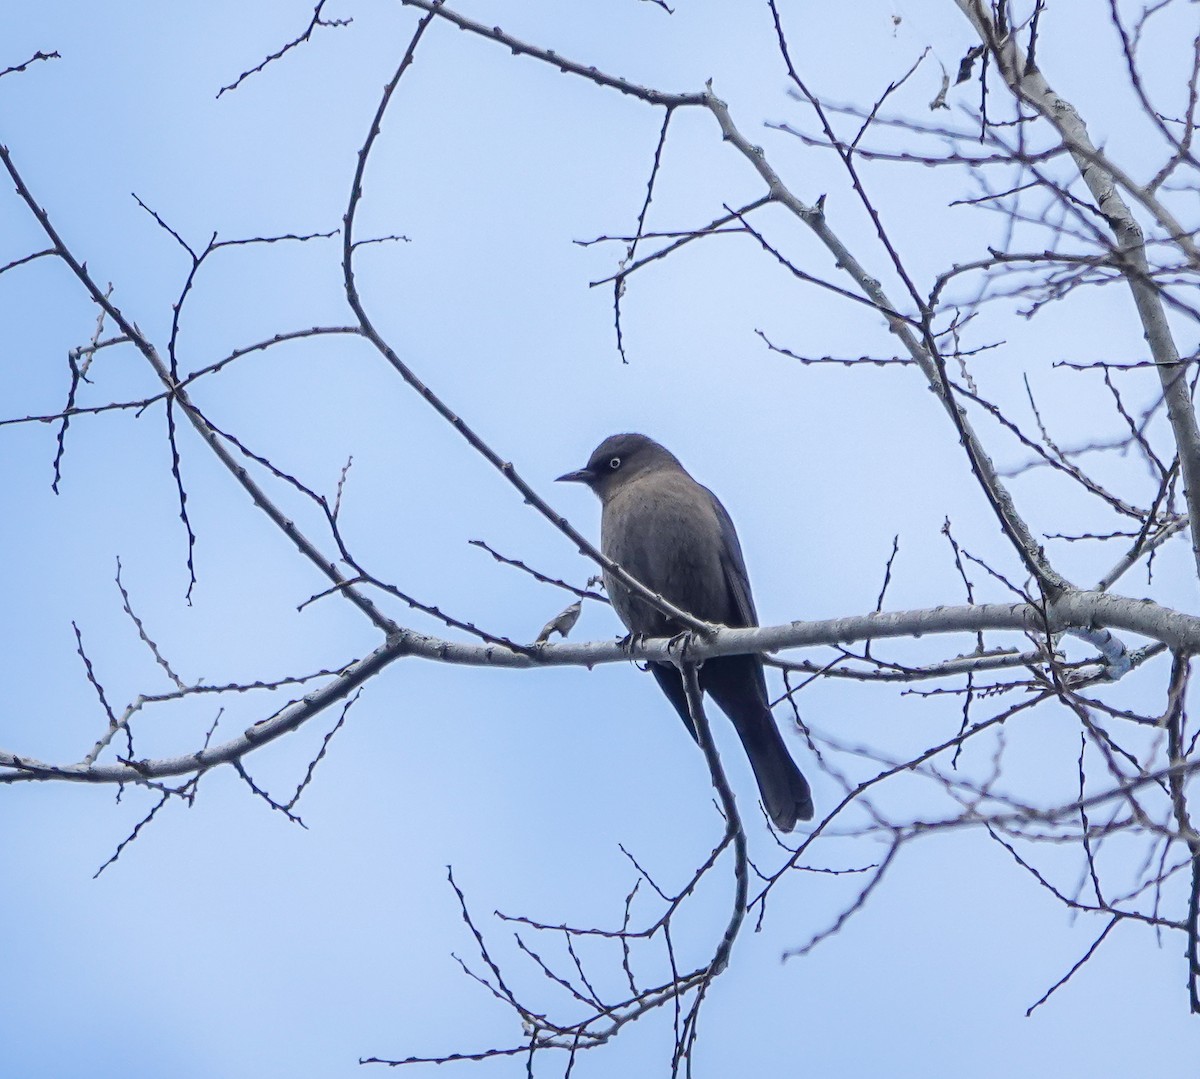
369,331
1104,180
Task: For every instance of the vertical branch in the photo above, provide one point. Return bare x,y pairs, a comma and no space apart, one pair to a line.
733,821
1174,720
685,1033
631,251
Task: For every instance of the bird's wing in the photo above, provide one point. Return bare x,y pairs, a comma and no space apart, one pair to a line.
737,580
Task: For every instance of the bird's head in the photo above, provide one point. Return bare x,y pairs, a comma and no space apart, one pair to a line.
617,460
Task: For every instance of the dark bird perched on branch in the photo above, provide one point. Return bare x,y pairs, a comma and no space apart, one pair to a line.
673,536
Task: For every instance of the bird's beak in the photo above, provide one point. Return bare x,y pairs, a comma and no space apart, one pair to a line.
580,475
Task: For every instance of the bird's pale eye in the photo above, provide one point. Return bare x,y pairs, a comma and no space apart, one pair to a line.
615,463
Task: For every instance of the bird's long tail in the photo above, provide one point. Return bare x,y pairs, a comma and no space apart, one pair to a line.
736,684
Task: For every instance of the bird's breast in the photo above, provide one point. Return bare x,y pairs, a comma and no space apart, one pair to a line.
665,532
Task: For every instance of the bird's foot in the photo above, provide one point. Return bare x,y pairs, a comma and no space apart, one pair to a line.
682,642
630,641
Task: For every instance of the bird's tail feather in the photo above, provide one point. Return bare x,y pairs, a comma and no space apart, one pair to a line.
784,790
736,684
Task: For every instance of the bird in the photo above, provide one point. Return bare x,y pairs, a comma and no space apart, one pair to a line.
673,535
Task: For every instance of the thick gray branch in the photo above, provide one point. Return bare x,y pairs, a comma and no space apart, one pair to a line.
1090,610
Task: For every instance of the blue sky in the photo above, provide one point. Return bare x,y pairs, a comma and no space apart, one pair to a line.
227,942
